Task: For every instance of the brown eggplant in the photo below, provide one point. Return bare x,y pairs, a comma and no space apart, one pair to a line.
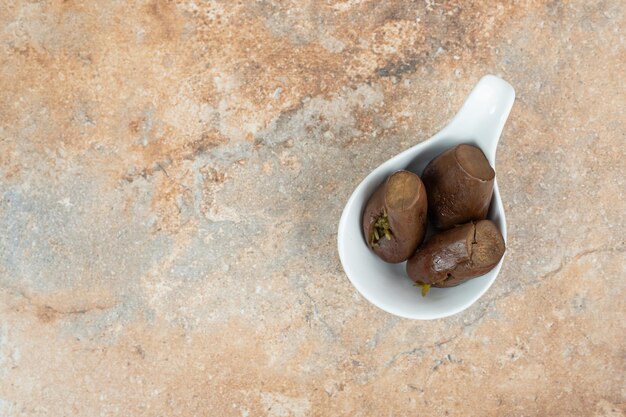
452,257
459,184
394,219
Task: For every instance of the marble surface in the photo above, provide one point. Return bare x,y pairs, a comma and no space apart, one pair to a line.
172,174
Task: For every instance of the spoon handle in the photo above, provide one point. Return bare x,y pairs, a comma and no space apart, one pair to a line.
484,114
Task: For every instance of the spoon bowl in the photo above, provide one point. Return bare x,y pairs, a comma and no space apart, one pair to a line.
479,122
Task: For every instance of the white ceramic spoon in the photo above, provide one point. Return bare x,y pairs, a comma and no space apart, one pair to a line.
480,122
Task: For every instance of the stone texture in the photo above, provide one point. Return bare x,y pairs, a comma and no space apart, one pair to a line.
172,175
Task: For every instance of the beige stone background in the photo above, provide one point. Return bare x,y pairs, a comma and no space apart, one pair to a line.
172,175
